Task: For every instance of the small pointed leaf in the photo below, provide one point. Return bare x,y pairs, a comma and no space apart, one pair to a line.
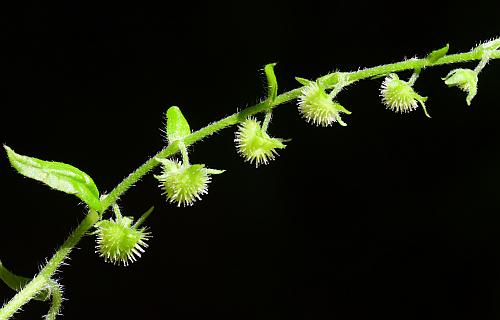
378,76
57,175
143,217
272,83
438,54
177,125
215,171
303,81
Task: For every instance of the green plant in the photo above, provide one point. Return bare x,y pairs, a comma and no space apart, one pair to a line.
121,241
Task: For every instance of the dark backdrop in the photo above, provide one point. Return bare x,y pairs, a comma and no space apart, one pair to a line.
393,216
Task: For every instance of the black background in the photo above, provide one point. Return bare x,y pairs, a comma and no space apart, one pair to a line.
394,216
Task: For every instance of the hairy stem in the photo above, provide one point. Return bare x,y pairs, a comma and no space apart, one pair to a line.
328,81
56,302
43,279
184,153
267,120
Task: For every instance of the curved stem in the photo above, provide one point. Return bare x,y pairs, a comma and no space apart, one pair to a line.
44,277
56,300
328,81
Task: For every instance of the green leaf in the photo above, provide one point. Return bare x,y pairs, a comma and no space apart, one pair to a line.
272,83
303,81
16,283
215,171
143,217
378,76
438,54
57,175
177,126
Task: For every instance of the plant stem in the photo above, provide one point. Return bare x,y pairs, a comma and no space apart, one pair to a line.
414,77
116,210
267,120
184,153
328,81
44,277
56,301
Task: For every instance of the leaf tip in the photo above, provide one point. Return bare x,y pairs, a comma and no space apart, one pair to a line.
7,148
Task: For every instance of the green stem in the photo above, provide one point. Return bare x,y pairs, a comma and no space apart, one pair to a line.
116,210
267,120
44,277
414,77
482,63
342,81
328,81
184,153
56,302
